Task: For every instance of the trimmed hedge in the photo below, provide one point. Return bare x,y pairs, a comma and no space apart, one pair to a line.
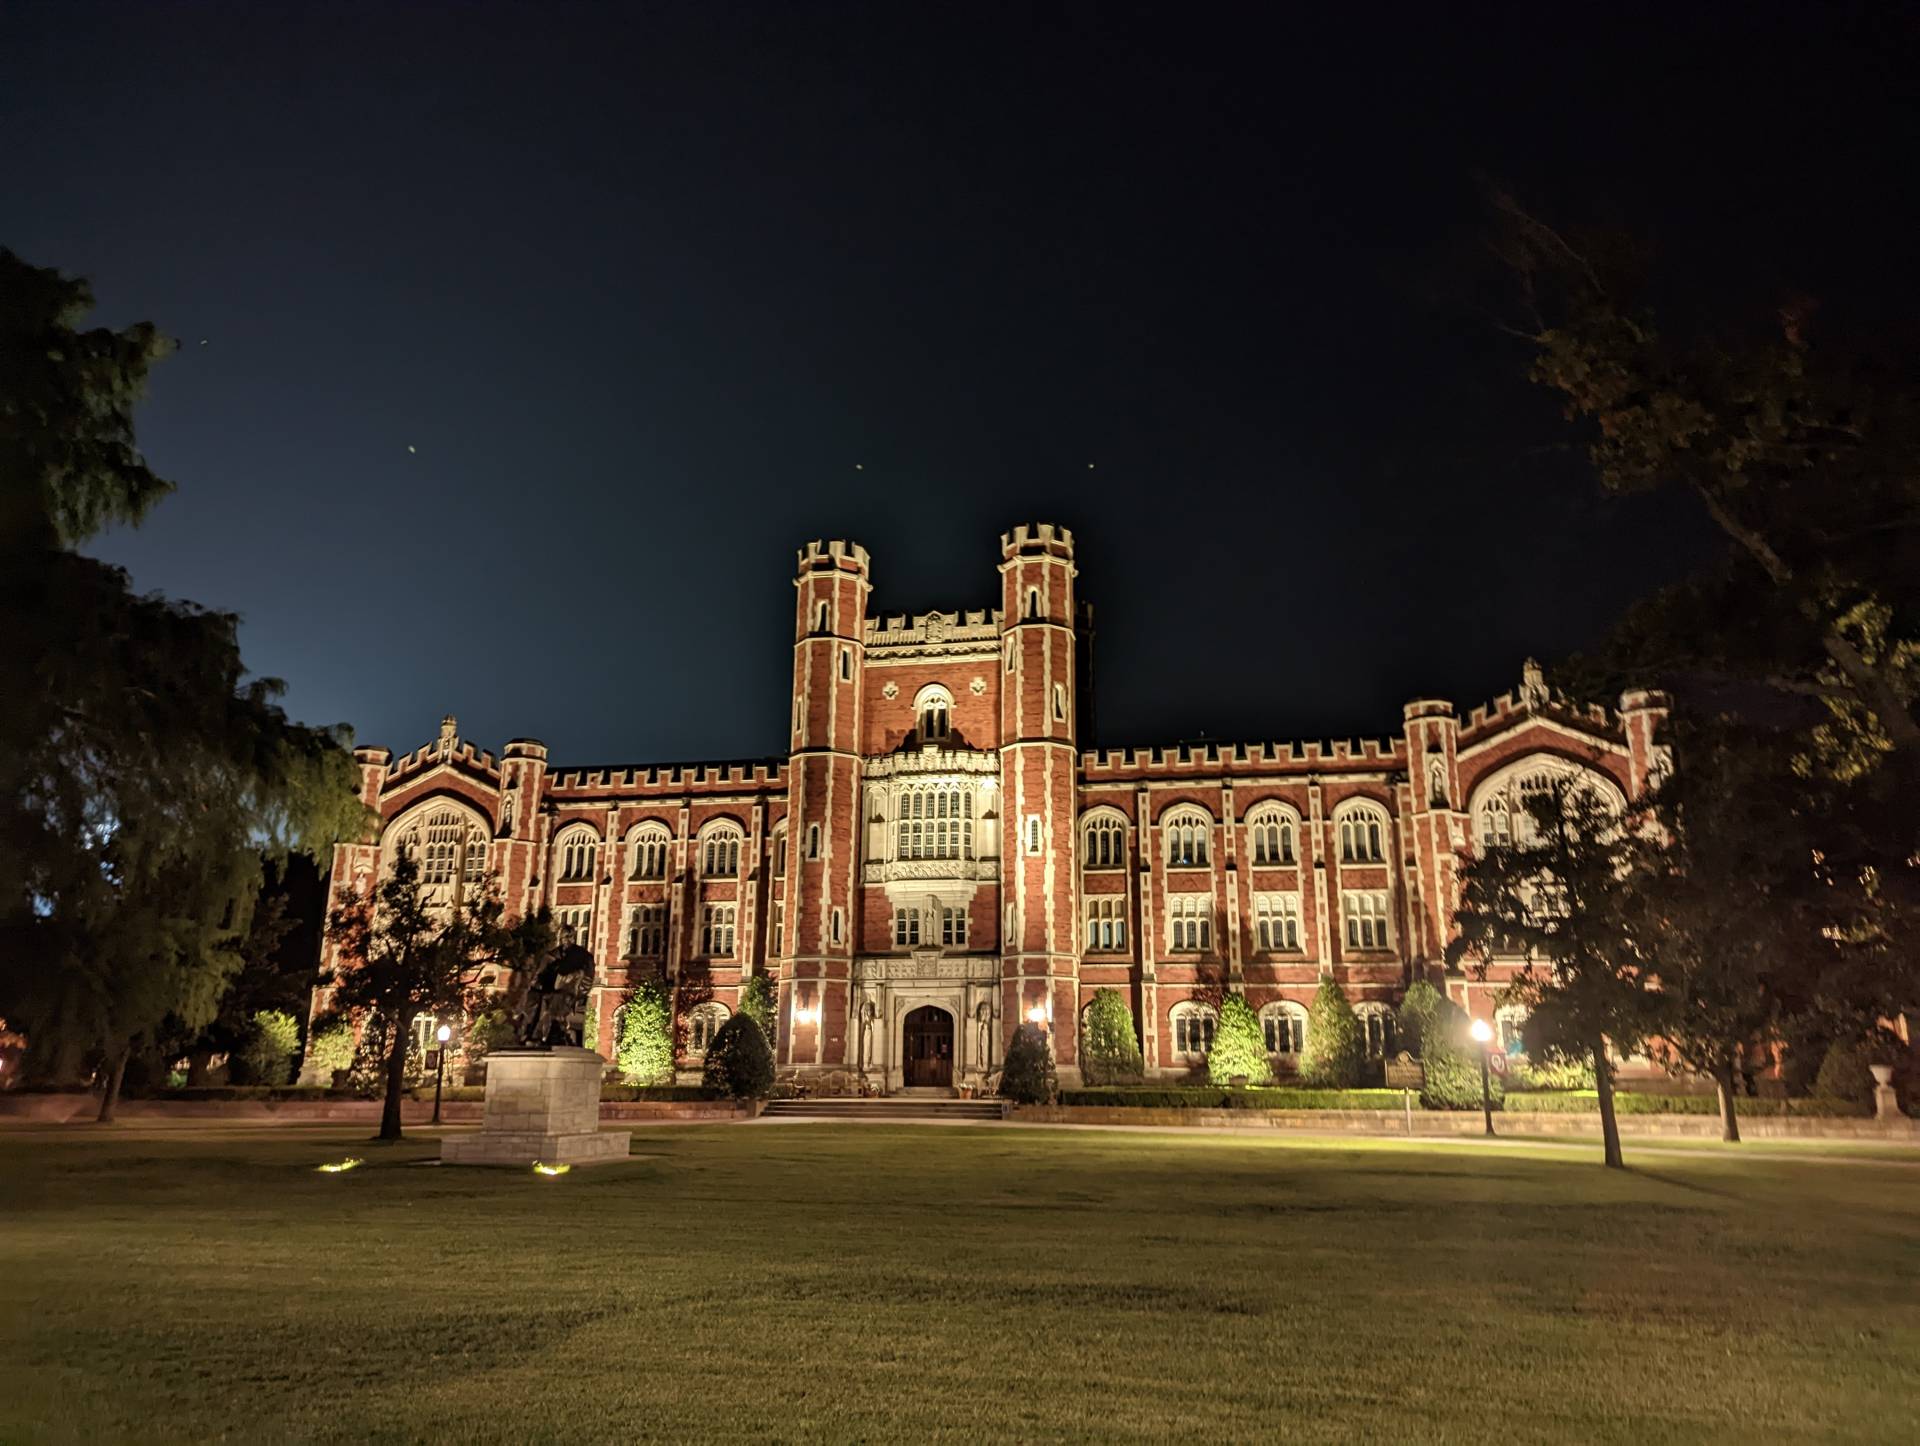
739,1063
1178,1097
1027,1076
1575,1102
1238,1046
626,1092
1109,1049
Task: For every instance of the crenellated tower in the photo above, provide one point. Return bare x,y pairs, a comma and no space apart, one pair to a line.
831,589
1039,760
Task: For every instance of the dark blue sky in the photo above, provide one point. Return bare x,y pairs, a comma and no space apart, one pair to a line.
654,293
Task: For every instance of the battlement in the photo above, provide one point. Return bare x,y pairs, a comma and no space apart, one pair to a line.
1366,754
525,748
1428,708
749,775
1037,539
974,629
836,555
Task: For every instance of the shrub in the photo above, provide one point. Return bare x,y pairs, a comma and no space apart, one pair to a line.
643,1044
1419,1008
1027,1076
1844,1077
757,1003
1203,1097
1452,1063
1528,1076
739,1063
1238,1047
266,1056
330,1048
617,1092
487,1031
1575,1102
368,1080
1336,1051
1109,1051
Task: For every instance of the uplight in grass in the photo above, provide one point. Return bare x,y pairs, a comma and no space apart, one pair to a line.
340,1166
542,1169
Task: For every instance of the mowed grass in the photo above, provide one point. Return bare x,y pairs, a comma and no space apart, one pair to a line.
848,1282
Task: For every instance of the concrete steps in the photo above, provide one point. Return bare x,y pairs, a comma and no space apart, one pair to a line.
897,1108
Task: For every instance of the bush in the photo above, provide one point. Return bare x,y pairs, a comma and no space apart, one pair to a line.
1200,1097
1576,1102
1027,1076
1109,1050
368,1080
330,1048
1336,1051
1526,1076
1844,1077
266,1056
1452,1063
643,1040
1238,1046
758,1004
487,1031
739,1063
618,1092
1420,1006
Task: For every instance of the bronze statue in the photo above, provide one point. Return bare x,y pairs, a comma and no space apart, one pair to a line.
552,1010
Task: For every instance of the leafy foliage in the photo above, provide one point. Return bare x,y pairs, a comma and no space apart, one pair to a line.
643,1051
1844,1077
758,1004
1109,1049
1452,1063
1196,1097
1336,1051
739,1063
330,1047
1027,1075
1525,1076
267,1056
1238,1046
1420,1006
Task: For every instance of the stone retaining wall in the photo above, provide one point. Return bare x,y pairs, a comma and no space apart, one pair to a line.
78,1108
1441,1122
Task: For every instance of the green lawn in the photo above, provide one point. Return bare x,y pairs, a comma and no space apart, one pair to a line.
891,1283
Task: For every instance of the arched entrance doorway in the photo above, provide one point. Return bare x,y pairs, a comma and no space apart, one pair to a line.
926,1060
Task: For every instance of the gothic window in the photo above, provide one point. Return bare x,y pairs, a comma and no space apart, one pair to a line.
577,850
1272,831
575,923
935,822
846,665
1188,832
780,852
1033,602
1106,923
1501,815
953,928
1377,1027
1363,835
1009,655
933,712
777,929
834,932
1284,1026
906,928
447,845
1190,922
1496,823
1104,843
716,931
820,619
720,852
1276,921
1059,702
1193,1026
1366,917
703,1024
647,931
813,840
647,848
1033,833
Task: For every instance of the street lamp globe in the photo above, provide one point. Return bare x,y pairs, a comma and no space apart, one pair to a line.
444,1033
1481,1031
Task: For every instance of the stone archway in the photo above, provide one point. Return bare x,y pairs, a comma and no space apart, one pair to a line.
926,1048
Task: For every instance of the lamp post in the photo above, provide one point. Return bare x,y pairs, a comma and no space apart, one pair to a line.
1482,1032
443,1034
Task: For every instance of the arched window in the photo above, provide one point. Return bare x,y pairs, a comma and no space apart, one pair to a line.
1188,832
1271,828
574,855
1376,1027
934,821
447,843
933,713
1104,841
1363,835
1189,922
1033,602
720,851
1284,1026
1499,806
780,852
647,849
703,1023
1193,1026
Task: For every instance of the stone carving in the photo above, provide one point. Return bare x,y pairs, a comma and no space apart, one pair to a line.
449,733
935,627
1533,685
977,686
553,1008
890,691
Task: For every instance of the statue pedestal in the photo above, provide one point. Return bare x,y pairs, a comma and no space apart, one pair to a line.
543,1105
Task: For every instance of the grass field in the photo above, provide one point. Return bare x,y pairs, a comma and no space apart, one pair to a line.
887,1283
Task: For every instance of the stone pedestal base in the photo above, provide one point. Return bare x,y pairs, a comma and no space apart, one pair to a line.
543,1106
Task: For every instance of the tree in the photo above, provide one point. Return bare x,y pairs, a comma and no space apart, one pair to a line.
1450,1062
739,1063
1558,902
1420,1006
1109,1049
404,954
1027,1076
266,1055
757,1003
1336,1051
1238,1047
141,768
643,1047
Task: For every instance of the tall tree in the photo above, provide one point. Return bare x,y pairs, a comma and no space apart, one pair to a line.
142,771
1558,901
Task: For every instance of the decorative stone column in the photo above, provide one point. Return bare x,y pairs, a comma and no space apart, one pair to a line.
1886,1105
543,1106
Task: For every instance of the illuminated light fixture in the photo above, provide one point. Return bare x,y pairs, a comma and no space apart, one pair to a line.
340,1167
1037,1014
444,1033
1481,1031
541,1168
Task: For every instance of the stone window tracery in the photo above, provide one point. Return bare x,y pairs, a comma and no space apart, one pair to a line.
1366,917
1189,922
1284,1027
1106,923
720,851
1271,827
716,930
934,821
1363,835
1104,841
1276,921
577,850
1187,832
1193,1026
648,848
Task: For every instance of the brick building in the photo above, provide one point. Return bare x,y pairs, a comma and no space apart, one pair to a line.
937,856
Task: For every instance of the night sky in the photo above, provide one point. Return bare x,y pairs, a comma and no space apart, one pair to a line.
521,345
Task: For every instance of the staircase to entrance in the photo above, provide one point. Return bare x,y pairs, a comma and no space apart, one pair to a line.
902,1108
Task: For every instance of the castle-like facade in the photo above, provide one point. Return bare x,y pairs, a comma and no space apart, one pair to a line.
938,856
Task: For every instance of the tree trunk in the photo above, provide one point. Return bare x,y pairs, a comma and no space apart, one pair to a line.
1609,1126
110,1096
396,1080
1723,1082
199,1066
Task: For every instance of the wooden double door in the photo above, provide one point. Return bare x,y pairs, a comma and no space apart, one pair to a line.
927,1039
